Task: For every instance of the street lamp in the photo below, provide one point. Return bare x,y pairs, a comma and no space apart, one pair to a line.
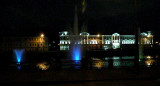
42,35
42,40
98,35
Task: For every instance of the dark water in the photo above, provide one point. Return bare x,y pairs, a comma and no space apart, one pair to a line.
86,63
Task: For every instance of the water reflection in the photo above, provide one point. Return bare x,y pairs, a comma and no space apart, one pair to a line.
18,67
123,61
77,64
98,63
128,57
127,63
95,63
113,62
149,57
149,62
117,63
43,65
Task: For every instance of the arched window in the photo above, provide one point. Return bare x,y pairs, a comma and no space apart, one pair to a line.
123,42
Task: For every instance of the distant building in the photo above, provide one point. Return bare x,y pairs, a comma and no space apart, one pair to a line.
103,42
37,44
100,42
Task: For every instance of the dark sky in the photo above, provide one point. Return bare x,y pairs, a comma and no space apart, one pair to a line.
30,17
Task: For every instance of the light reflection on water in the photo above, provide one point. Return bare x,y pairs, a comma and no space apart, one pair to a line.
97,63
149,62
18,67
43,65
114,62
77,64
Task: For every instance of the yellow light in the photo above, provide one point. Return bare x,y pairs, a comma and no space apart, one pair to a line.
149,36
98,35
98,63
156,42
149,62
148,57
43,65
42,35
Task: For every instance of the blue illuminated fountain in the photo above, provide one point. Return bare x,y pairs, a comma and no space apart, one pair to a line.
76,56
19,54
76,48
76,53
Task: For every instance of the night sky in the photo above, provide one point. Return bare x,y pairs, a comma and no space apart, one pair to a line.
31,17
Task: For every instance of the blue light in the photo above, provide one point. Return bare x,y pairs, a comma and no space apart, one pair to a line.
76,52
19,67
77,64
19,53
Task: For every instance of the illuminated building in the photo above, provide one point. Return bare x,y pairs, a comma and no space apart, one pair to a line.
39,44
100,42
103,42
147,38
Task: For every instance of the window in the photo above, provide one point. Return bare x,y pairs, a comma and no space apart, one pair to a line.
65,42
62,42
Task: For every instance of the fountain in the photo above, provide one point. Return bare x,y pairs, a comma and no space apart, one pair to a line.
19,54
76,48
76,52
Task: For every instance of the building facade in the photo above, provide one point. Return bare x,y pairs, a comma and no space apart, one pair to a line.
31,44
103,42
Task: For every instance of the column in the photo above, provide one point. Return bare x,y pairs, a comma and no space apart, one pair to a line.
102,39
152,39
87,39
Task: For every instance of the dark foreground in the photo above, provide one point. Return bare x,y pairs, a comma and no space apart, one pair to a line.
83,77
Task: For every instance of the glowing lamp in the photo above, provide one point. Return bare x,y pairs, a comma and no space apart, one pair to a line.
42,35
149,36
156,42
